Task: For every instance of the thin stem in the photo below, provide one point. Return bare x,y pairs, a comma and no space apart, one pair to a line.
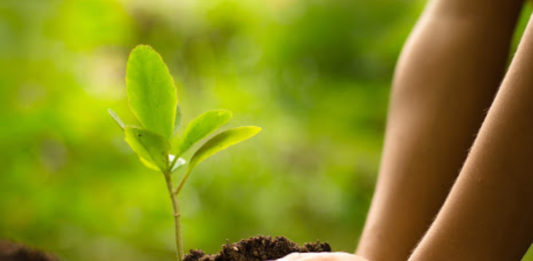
182,182
177,216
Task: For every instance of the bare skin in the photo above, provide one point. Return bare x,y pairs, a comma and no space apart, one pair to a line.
446,77
337,256
489,212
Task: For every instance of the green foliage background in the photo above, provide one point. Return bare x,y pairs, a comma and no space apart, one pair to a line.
314,74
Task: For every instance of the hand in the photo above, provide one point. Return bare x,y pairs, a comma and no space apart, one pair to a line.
323,256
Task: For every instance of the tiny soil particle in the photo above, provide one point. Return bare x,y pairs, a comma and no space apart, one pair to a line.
258,248
10,251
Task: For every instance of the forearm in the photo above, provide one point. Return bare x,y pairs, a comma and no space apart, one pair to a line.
489,213
445,79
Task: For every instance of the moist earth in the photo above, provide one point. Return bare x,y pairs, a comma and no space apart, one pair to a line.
10,251
258,248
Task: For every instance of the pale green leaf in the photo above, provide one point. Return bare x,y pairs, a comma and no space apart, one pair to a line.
151,91
151,147
222,141
200,127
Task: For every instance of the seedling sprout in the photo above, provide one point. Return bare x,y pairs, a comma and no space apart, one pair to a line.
153,100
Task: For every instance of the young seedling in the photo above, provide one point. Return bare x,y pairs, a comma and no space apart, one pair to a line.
153,100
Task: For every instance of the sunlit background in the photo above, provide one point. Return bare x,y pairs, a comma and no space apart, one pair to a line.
314,74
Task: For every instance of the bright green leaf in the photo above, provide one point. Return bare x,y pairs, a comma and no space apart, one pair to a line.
200,127
222,141
149,164
151,91
151,147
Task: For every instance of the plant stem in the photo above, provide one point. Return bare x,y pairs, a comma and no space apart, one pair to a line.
182,182
177,216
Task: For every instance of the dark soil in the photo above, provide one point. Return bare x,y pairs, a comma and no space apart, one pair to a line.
10,251
257,248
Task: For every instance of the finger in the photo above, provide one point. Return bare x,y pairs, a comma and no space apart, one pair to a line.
291,257
323,256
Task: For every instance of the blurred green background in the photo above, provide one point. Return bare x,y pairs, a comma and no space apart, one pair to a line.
314,74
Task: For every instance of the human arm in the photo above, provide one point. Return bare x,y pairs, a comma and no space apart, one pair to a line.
446,77
489,212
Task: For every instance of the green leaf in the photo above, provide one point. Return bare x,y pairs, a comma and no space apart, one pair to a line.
149,164
151,147
151,91
200,127
222,141
117,119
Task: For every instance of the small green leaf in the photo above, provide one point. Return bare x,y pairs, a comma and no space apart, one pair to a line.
117,119
149,164
200,127
151,147
151,91
222,141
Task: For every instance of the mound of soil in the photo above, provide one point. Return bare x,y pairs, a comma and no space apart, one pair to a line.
10,251
257,248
